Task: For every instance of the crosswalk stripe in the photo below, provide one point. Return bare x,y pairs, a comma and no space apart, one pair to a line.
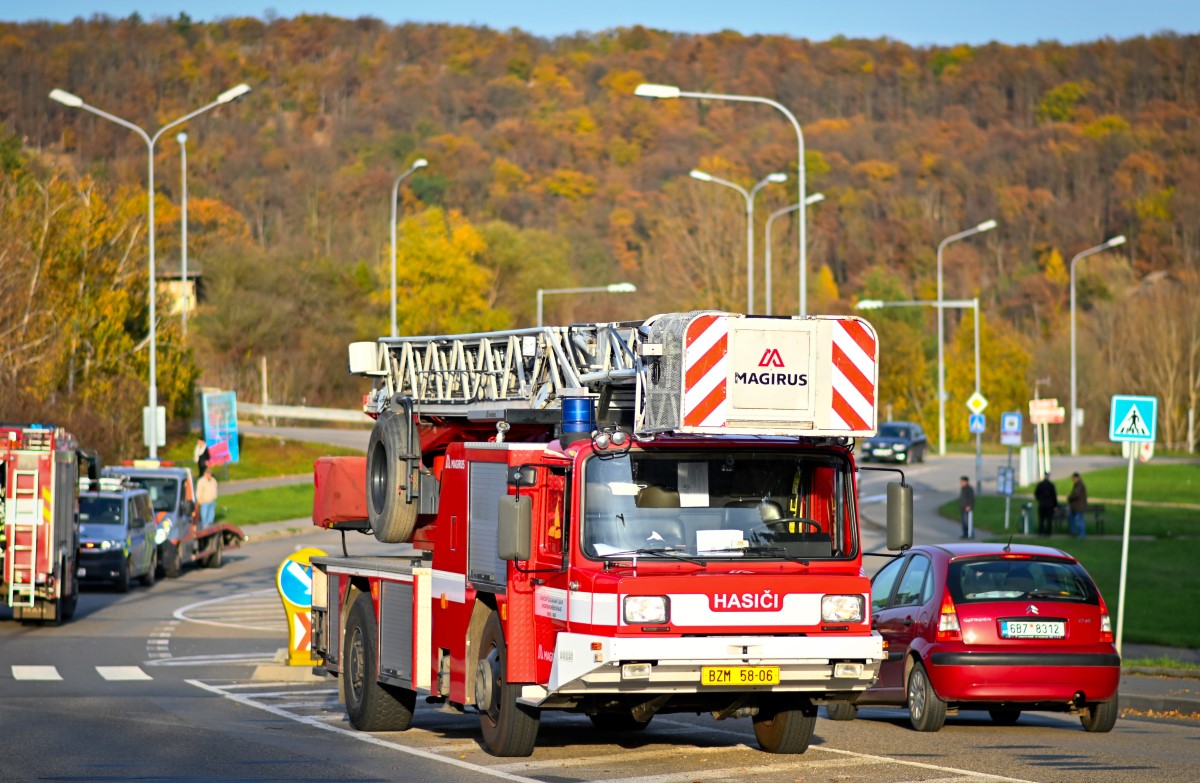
35,673
115,673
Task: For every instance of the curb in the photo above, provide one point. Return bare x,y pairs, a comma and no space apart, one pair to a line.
1169,703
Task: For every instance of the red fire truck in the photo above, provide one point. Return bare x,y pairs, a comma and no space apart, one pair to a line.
39,518
618,520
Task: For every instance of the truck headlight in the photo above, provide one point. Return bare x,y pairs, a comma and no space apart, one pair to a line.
160,535
841,608
647,609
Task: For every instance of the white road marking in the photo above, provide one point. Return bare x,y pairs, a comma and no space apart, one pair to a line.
258,603
656,752
362,736
735,773
35,673
115,673
239,659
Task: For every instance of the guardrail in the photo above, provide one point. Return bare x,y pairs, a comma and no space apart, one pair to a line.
247,409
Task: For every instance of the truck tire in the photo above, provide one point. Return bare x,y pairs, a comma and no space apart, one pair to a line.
785,731
509,728
392,518
371,705
67,604
217,558
170,560
841,710
151,575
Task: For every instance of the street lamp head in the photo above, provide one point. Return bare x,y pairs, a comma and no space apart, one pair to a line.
986,225
419,163
815,198
869,304
700,175
656,91
777,177
1119,239
66,98
622,288
181,138
233,93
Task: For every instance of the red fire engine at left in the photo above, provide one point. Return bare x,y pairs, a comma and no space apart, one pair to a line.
39,517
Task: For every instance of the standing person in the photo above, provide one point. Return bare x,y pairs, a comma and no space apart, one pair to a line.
206,497
200,453
1077,504
966,504
1047,500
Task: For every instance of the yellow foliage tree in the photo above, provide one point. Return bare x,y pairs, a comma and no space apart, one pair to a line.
1004,366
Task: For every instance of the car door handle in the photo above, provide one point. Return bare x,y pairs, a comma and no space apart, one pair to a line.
908,621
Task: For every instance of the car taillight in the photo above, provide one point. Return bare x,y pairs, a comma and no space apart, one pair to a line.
948,630
1106,631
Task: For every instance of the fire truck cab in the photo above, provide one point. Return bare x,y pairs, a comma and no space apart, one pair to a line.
619,520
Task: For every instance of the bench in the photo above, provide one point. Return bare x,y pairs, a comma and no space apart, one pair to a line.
1096,510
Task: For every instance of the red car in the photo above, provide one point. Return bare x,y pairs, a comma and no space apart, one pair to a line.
991,627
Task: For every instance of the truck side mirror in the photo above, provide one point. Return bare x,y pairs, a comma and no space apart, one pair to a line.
522,476
899,515
514,533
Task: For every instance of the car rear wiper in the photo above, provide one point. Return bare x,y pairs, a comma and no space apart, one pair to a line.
1043,592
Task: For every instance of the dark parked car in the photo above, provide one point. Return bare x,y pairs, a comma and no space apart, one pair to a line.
897,441
991,627
116,534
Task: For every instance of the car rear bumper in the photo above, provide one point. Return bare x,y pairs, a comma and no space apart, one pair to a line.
960,677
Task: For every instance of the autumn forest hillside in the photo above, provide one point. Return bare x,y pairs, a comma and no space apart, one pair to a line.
545,172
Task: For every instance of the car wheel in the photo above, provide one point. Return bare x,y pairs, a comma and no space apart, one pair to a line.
841,710
217,558
618,721
1101,715
151,574
509,728
123,579
784,731
926,711
370,705
920,454
171,561
1005,717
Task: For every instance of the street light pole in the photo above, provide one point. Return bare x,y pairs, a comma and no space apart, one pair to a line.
75,102
749,198
419,163
665,91
813,199
987,225
183,226
1114,242
612,288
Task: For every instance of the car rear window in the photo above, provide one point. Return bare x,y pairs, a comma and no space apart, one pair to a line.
1009,579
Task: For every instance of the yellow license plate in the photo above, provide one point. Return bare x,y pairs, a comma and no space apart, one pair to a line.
733,676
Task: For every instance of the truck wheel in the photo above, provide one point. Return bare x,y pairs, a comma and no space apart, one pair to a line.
926,711
509,729
371,705
151,575
170,560
1101,715
217,558
392,518
841,710
69,603
122,583
784,730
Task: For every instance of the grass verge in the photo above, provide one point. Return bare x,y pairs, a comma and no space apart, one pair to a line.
261,457
291,501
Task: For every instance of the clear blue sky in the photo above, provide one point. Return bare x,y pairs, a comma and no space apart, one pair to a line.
913,21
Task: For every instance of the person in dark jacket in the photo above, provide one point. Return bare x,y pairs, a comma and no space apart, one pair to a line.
1077,503
966,504
1047,500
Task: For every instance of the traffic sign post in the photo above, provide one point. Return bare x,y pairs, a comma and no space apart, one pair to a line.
293,580
977,404
1132,420
1010,435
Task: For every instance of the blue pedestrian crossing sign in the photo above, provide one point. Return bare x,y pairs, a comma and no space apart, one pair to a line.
1133,419
976,423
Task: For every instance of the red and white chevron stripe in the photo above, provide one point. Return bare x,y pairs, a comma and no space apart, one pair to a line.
706,372
855,360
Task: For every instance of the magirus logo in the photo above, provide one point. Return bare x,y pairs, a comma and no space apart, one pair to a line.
771,358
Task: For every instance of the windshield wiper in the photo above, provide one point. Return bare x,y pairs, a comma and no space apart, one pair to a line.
764,551
668,553
1042,592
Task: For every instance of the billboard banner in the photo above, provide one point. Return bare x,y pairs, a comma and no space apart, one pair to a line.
220,427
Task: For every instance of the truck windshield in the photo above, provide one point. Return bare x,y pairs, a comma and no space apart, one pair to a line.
164,491
99,511
750,504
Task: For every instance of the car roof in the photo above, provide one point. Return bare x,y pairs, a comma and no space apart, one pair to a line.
115,493
130,470
961,549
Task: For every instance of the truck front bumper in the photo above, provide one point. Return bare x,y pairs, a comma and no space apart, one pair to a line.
587,665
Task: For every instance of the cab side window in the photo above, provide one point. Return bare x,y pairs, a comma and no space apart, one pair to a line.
916,586
139,511
881,585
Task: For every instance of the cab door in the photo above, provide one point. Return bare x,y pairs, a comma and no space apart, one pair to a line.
905,617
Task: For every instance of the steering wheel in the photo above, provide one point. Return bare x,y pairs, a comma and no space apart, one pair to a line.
780,525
